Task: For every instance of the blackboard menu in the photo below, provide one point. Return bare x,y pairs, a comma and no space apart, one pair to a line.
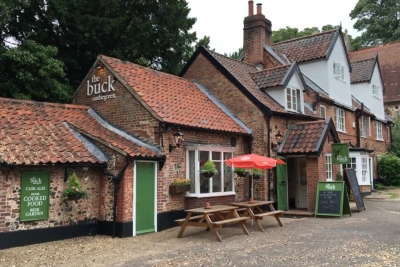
332,199
329,202
350,178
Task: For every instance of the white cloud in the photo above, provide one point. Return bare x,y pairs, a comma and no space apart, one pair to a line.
222,20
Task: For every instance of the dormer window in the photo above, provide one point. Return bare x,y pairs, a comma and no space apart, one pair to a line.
375,91
293,99
338,71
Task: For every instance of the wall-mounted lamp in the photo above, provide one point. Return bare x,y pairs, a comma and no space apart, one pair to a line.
178,139
278,138
99,65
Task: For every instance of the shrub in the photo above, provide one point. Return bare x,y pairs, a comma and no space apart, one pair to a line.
208,168
242,172
388,169
74,188
379,186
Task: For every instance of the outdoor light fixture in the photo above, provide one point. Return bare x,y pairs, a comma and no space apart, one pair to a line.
178,138
278,138
99,65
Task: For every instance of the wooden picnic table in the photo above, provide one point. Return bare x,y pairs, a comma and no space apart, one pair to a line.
259,214
225,214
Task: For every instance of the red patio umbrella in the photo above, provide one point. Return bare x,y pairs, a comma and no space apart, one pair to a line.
251,161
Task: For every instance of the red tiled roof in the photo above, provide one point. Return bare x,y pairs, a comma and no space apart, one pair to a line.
362,70
389,64
241,71
174,99
357,105
307,137
306,48
270,77
34,133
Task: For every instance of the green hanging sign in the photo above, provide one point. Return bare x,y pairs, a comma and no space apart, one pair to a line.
34,196
340,154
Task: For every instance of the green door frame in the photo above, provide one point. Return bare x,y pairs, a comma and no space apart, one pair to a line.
282,186
134,194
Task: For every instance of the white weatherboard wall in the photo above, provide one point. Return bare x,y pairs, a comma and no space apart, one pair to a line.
363,92
339,90
317,71
278,94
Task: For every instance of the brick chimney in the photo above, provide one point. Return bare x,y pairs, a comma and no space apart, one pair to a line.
256,32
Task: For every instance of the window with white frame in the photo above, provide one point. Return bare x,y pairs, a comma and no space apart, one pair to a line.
338,71
364,167
328,164
293,99
221,183
352,164
365,126
323,111
339,119
378,128
376,91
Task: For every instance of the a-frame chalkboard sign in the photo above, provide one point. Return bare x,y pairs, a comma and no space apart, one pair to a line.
332,199
350,177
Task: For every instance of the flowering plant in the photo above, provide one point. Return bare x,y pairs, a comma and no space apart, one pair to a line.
180,182
74,188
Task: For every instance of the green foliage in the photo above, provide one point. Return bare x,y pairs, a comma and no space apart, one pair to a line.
236,54
257,173
151,32
379,186
378,19
180,182
339,176
74,188
241,172
208,168
388,169
30,71
395,145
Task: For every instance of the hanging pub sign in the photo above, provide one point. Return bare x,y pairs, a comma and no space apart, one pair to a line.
34,196
340,154
94,86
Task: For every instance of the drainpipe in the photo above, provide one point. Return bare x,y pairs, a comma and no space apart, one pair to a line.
269,152
358,116
250,151
116,180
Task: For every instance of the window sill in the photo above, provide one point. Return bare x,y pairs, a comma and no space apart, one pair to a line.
380,140
220,194
343,81
377,97
340,131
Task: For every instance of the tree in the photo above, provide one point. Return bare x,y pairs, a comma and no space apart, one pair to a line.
395,144
151,32
236,54
30,71
379,19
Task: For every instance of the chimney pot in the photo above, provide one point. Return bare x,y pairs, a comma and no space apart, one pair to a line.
259,8
251,8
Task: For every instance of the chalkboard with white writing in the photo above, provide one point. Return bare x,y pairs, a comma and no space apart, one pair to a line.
332,199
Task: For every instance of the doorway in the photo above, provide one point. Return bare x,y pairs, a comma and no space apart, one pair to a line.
301,183
145,198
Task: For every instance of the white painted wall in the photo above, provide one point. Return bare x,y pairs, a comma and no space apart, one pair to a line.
317,71
363,92
338,89
278,94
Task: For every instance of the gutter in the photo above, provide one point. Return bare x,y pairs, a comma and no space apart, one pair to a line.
116,180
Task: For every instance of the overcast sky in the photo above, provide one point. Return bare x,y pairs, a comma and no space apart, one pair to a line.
222,20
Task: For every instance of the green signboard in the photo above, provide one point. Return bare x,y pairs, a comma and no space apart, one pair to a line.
340,154
34,196
332,199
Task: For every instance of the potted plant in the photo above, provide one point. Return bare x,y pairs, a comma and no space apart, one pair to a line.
179,185
257,173
241,172
74,190
208,170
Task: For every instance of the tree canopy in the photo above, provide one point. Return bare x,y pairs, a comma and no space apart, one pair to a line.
151,32
379,19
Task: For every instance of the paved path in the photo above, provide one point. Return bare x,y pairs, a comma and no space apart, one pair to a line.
369,238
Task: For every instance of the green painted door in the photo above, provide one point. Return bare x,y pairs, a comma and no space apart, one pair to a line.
145,198
282,186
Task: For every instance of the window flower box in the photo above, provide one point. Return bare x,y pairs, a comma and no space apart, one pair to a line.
178,189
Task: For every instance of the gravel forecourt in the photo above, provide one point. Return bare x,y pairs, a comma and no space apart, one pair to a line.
368,238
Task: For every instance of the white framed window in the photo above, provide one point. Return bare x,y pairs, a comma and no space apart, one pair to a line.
352,164
338,71
365,127
322,111
328,164
364,168
378,128
376,91
220,184
293,99
340,120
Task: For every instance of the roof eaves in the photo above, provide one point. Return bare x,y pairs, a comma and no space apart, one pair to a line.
272,53
329,52
359,102
225,109
125,135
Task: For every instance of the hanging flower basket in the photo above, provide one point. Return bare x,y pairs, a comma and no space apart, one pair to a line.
257,174
207,174
241,172
208,170
178,189
73,197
